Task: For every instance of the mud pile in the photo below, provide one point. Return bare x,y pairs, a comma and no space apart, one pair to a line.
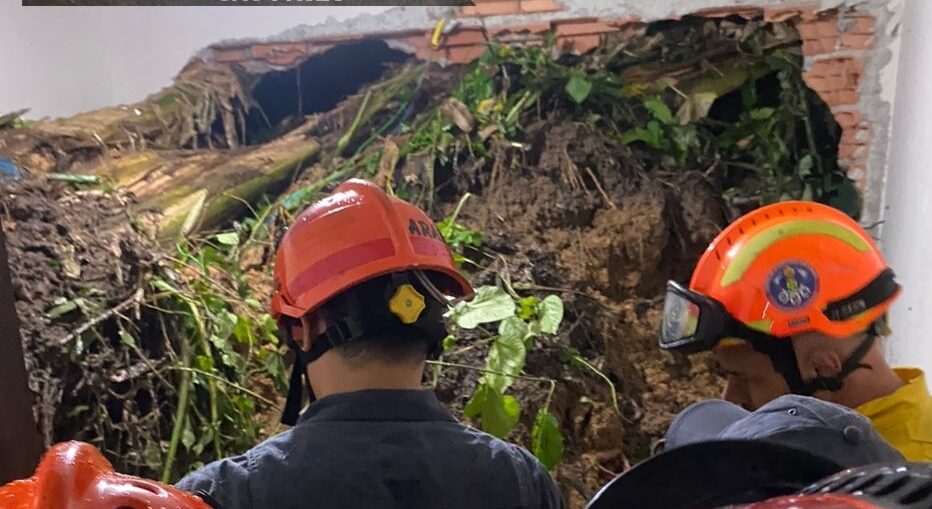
77,263
575,212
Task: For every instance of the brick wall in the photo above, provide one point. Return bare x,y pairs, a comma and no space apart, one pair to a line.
835,43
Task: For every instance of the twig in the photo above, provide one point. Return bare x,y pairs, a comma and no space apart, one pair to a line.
345,140
491,372
136,298
229,383
599,187
601,375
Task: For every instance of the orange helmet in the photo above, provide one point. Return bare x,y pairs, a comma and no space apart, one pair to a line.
794,267
354,235
74,475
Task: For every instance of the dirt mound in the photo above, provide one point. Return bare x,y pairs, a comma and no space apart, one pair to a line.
76,260
576,212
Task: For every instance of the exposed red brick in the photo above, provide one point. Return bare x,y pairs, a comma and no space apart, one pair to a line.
858,24
468,37
230,54
808,30
852,151
827,27
724,12
855,135
530,28
817,82
582,27
270,50
580,43
464,54
492,8
848,119
820,46
857,41
857,172
782,14
540,6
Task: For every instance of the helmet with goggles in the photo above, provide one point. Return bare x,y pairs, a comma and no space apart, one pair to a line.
777,272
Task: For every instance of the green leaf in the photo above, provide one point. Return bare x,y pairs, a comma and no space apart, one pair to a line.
762,113
659,110
805,165
228,239
527,307
127,339
507,354
491,304
152,454
243,331
187,435
499,413
62,309
578,87
550,312
449,342
546,439
204,363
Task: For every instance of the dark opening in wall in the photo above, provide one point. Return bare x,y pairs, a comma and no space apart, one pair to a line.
316,85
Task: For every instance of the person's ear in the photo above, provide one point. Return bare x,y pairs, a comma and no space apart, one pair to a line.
825,362
308,329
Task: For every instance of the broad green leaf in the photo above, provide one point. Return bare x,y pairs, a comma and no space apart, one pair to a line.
228,239
499,413
695,107
507,354
491,304
550,312
659,110
204,363
62,309
546,439
127,338
243,331
805,165
578,87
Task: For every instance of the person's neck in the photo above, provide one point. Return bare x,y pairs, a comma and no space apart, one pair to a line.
864,384
337,379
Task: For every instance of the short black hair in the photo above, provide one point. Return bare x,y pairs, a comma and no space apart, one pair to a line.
391,342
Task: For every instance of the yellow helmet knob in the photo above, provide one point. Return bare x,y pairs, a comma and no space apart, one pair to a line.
407,304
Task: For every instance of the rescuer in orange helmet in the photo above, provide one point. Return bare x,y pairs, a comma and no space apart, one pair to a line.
362,283
792,297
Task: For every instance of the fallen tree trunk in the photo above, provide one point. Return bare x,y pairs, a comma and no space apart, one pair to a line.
179,191
201,109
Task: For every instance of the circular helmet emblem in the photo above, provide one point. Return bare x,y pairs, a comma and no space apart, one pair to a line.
792,285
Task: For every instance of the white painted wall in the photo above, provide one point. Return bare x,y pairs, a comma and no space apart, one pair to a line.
64,60
907,230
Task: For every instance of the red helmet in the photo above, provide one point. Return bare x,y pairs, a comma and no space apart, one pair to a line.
74,475
354,235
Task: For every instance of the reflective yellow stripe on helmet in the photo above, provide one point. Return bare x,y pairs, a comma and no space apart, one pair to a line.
757,244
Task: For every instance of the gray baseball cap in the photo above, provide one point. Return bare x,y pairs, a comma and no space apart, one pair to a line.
832,431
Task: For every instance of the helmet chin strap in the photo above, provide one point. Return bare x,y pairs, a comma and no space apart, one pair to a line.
783,357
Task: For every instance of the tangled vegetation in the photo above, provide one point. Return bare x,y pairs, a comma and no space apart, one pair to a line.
718,98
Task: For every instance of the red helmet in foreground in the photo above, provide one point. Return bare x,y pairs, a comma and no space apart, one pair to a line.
74,475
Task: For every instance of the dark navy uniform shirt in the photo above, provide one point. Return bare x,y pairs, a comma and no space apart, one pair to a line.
379,449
